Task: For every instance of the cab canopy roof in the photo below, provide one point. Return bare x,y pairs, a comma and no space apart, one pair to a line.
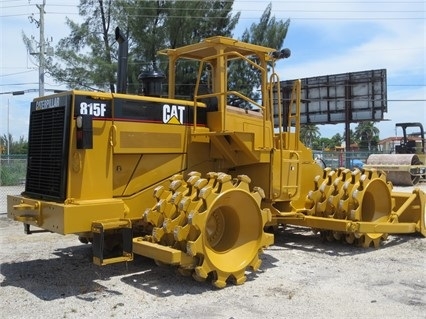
217,45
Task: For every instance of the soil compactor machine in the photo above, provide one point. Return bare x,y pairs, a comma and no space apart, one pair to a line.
194,183
407,166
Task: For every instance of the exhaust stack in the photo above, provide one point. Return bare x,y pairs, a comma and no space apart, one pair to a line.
123,48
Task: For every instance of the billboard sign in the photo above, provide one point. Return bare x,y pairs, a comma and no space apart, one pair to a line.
340,98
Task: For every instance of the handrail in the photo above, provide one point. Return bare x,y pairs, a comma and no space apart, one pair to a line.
279,106
197,85
280,124
295,99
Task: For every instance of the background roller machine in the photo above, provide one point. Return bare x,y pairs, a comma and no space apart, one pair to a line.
407,166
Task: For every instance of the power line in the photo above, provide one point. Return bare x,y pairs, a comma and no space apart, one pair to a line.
407,100
10,74
275,11
18,84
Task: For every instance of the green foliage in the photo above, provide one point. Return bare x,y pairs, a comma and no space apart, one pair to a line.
86,59
15,147
268,32
308,134
12,171
336,140
311,137
171,24
353,140
366,135
13,167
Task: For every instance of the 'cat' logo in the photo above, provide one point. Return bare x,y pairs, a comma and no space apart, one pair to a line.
173,114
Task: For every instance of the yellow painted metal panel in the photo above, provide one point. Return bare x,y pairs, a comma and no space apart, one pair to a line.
161,253
150,169
150,138
70,218
90,170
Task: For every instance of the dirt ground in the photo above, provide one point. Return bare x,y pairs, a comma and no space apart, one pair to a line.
47,275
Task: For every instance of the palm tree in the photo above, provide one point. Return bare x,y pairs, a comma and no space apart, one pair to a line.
366,132
308,133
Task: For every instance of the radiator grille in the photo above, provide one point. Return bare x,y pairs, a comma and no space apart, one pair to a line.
47,154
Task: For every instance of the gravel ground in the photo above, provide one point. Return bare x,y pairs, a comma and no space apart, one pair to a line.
51,276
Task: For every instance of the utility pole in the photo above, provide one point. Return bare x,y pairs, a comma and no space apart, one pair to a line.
42,48
8,133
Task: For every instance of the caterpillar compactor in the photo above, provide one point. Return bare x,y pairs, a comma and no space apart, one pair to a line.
196,182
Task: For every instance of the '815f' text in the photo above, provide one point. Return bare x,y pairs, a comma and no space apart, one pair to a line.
95,109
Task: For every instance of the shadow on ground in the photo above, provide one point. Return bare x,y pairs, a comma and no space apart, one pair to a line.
71,272
304,239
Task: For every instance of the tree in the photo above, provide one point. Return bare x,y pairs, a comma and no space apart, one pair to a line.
309,133
351,136
336,140
15,147
87,57
366,134
171,24
268,32
200,19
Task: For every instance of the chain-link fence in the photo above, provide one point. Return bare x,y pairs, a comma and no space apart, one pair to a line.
12,177
335,159
13,169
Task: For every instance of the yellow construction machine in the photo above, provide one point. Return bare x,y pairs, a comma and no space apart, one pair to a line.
407,165
196,182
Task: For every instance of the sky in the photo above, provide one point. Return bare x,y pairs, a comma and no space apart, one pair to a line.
325,37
